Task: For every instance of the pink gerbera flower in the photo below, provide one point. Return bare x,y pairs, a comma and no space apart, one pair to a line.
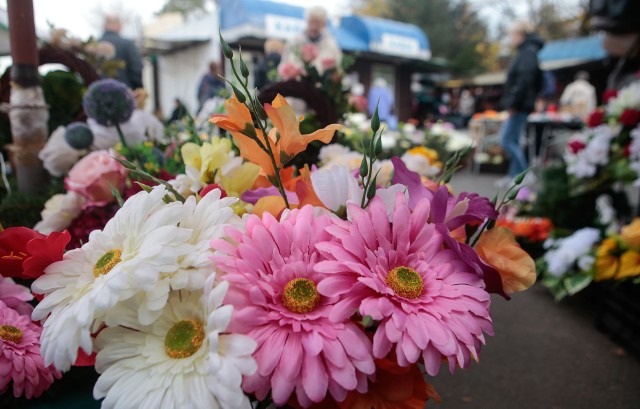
20,359
276,302
428,300
15,296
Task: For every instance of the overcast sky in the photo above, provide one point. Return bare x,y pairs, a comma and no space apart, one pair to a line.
81,17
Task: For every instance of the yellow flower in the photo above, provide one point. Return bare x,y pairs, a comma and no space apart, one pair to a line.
629,265
606,262
428,153
498,248
148,144
239,179
630,234
207,158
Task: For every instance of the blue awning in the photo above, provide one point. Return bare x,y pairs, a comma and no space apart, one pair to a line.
570,52
268,19
388,36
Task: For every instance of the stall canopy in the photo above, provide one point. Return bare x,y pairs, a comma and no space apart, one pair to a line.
259,19
571,52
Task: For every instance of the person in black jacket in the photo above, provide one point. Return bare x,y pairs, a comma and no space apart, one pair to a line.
266,72
524,81
126,51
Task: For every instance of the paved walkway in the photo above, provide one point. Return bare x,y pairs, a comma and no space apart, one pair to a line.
544,355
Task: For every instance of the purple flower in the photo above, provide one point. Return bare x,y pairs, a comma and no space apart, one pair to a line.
108,102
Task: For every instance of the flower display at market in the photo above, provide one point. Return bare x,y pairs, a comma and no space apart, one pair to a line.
108,102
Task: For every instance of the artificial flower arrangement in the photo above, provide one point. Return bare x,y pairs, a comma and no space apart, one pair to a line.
608,150
586,256
335,292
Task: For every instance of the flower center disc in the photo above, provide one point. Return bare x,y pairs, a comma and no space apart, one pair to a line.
107,262
301,296
10,333
405,281
184,339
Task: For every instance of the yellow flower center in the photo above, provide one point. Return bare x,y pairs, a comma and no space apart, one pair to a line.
405,282
301,296
10,333
184,339
107,262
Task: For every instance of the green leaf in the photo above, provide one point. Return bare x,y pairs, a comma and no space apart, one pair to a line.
576,283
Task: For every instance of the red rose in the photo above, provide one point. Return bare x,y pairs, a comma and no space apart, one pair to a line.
630,117
25,253
210,187
595,118
627,150
576,146
608,94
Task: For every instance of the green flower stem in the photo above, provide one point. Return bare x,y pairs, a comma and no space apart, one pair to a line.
265,147
121,135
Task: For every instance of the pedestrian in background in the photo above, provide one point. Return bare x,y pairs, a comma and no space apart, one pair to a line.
267,70
524,81
210,85
579,97
126,51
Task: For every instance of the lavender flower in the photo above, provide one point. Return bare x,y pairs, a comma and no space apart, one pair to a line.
78,135
108,102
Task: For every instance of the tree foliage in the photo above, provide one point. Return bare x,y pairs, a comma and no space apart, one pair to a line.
183,6
454,29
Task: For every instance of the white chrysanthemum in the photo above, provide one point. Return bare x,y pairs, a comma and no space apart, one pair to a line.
565,252
421,164
628,97
138,251
59,212
183,360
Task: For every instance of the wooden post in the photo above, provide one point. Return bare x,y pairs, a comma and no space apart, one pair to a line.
28,112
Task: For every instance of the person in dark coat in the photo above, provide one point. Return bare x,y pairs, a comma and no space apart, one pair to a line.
267,71
524,81
126,51
210,85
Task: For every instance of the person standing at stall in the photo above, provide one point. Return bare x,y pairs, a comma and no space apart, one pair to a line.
579,97
126,51
524,82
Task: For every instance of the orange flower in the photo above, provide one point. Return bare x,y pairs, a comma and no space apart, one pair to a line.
270,204
607,262
285,140
498,248
630,234
240,123
395,387
304,189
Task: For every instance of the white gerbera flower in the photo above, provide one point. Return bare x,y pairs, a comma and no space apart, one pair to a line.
183,360
137,251
59,212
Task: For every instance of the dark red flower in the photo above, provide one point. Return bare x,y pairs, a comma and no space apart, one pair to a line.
25,253
627,150
608,94
595,118
210,187
92,218
630,117
576,146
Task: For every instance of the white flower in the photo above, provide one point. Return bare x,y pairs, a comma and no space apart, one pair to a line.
420,164
140,127
628,97
59,211
458,141
596,152
358,121
329,153
563,253
138,251
57,156
336,186
585,263
189,182
183,360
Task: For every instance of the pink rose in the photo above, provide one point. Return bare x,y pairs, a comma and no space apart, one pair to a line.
328,63
309,52
289,71
94,176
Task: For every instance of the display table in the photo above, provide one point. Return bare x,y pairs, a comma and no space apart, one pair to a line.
545,128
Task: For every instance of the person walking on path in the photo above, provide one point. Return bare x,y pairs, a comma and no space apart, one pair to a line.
579,97
210,85
126,51
524,81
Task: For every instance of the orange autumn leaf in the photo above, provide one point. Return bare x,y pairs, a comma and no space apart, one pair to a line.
498,248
